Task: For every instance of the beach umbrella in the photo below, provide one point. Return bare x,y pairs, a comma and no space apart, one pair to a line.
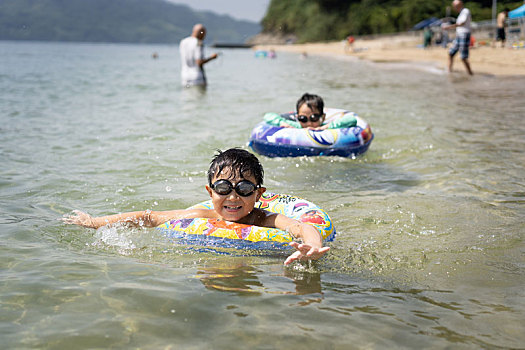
429,22
518,13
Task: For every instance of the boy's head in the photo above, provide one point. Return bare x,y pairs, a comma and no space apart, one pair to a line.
236,162
234,184
310,110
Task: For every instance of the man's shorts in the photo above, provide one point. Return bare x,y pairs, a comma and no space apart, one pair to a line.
461,44
501,34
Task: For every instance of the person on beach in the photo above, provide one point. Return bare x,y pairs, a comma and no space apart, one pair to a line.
349,43
235,179
501,23
427,37
310,114
192,57
462,41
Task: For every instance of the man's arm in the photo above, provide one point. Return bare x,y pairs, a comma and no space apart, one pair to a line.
202,62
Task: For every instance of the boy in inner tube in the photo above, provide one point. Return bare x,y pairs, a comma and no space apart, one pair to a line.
310,115
235,179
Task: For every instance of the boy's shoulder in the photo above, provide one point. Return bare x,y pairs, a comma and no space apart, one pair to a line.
194,213
258,212
262,217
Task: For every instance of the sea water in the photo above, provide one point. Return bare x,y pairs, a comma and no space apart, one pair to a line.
430,221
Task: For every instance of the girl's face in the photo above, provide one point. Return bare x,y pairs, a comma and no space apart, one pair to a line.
305,115
232,206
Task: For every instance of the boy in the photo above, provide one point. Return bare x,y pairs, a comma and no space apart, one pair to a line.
310,114
235,180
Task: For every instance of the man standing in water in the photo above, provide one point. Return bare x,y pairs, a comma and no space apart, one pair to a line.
192,57
462,41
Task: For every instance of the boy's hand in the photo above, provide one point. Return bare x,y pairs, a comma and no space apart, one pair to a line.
319,128
305,252
79,218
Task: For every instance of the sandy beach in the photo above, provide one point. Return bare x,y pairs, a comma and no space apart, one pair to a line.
484,59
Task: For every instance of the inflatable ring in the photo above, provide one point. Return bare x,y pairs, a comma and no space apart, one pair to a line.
273,141
217,233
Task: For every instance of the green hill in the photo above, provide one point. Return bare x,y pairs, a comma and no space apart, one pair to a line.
129,21
320,20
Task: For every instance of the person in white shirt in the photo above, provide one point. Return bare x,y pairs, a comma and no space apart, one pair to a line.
462,41
192,57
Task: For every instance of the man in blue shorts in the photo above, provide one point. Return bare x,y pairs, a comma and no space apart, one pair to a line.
462,41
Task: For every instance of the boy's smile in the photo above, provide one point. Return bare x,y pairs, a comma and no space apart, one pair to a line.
232,206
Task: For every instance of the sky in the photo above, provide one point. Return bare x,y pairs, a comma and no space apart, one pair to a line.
250,10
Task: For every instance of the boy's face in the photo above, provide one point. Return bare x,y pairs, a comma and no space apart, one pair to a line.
305,111
232,206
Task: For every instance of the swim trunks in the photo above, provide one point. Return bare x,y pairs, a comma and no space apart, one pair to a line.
461,44
501,34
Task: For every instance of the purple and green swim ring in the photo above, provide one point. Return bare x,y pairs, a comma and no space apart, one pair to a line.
274,141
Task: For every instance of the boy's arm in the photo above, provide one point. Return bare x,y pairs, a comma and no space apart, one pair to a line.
277,120
347,121
145,218
312,246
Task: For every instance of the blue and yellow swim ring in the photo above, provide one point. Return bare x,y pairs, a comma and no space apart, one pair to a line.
220,233
274,141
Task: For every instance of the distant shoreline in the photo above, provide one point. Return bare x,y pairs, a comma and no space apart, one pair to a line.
484,59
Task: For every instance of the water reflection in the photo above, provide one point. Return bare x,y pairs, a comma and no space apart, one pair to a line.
240,279
440,314
189,96
244,280
306,282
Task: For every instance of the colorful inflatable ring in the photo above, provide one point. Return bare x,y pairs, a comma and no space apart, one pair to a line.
211,232
273,141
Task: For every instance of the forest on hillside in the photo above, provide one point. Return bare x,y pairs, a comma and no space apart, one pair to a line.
321,20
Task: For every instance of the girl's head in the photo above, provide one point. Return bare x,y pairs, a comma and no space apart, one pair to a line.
310,111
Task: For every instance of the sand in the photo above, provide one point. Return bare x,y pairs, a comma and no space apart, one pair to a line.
484,59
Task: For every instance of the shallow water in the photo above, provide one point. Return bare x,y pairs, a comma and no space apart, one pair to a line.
430,221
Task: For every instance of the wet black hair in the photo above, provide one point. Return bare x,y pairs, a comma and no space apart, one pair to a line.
238,162
314,102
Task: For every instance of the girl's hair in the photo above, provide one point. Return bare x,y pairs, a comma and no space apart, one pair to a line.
314,102
237,162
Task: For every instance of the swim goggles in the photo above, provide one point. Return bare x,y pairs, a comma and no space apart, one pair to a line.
243,188
313,118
